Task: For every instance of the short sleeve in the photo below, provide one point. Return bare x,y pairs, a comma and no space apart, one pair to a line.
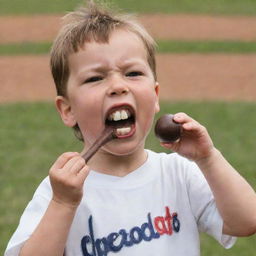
28,222
204,207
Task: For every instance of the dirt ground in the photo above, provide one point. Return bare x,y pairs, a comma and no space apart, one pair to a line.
181,76
184,27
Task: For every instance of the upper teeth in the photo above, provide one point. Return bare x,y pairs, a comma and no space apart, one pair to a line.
119,115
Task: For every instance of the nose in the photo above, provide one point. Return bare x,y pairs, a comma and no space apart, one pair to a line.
117,87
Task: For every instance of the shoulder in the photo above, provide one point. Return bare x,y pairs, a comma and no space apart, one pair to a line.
44,189
172,164
171,160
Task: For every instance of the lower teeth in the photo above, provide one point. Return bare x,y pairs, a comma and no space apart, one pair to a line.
123,131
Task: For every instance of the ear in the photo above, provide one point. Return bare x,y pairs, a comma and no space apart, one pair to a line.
157,106
64,108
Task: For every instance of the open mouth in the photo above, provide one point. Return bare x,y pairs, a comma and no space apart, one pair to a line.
122,120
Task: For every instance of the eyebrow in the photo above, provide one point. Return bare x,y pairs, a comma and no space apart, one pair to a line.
101,67
133,61
91,68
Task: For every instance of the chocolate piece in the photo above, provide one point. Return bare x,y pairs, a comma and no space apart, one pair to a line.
166,129
107,135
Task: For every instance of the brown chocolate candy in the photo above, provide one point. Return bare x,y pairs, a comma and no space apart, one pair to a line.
107,135
166,129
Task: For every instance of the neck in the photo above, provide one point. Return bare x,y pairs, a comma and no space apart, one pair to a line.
116,165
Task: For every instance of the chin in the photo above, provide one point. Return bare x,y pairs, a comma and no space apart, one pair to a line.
124,149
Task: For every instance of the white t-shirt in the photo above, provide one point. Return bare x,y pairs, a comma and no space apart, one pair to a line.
158,209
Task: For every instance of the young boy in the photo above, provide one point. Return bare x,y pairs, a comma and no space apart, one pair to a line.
127,200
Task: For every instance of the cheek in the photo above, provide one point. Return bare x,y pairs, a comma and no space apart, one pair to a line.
147,107
88,111
148,97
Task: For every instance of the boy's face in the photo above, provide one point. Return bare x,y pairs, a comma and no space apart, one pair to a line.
108,82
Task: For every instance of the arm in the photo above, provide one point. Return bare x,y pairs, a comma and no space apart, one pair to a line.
235,198
67,176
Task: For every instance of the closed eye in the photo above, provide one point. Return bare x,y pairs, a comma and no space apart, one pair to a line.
134,73
93,79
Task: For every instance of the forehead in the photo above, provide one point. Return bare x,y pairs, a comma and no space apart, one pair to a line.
122,46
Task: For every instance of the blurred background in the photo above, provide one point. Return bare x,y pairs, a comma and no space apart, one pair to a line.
206,67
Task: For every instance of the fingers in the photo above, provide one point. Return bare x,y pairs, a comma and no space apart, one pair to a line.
83,173
63,159
195,142
74,165
69,163
188,123
182,118
190,128
171,145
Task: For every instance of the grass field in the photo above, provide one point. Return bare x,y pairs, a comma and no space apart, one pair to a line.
227,47
32,136
219,7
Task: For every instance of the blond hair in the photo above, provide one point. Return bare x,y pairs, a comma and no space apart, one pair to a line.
94,22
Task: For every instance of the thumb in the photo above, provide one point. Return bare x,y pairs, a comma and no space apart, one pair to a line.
173,146
83,173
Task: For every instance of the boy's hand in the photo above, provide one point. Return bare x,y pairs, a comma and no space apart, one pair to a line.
195,142
67,176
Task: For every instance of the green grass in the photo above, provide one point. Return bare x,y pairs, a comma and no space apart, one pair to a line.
36,6
227,47
25,48
32,136
219,7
